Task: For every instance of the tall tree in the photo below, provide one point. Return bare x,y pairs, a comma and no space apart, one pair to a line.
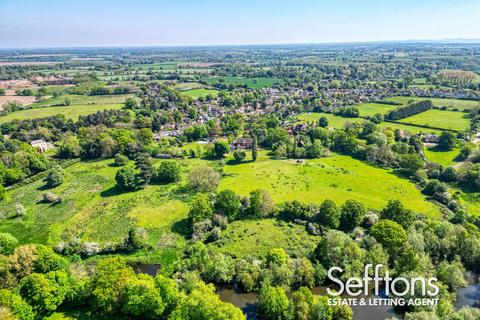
255,148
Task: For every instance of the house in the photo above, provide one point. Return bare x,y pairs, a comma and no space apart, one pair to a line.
41,145
301,127
242,143
430,138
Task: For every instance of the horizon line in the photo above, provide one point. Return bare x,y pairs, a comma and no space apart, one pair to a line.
86,46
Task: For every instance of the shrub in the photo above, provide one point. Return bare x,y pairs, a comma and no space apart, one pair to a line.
169,171
329,214
203,179
8,243
126,178
50,197
239,155
55,177
120,160
261,203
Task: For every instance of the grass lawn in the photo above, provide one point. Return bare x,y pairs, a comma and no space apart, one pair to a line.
196,93
261,82
450,120
450,103
333,120
257,237
338,178
445,158
370,109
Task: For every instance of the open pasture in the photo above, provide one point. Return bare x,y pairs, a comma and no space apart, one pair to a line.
449,120
438,102
371,109
333,120
249,82
338,178
196,93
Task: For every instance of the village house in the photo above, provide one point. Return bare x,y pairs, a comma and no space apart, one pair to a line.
242,143
41,145
430,138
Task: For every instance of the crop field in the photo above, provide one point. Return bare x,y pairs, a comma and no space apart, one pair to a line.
196,93
450,120
370,109
338,178
445,158
249,82
333,120
450,103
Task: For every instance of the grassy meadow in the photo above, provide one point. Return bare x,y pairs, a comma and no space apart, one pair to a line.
196,93
449,120
370,109
445,158
333,120
257,237
249,82
439,102
79,105
338,178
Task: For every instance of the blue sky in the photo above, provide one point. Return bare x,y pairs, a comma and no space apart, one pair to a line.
36,23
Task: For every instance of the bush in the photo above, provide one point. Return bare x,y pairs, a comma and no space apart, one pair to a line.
239,155
203,179
55,177
126,178
50,197
261,204
120,160
329,214
8,243
169,171
228,204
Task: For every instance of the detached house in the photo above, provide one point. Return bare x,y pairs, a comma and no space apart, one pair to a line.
41,145
242,143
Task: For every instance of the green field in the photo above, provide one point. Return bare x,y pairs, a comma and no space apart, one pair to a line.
94,210
196,93
370,109
158,66
338,178
339,122
409,128
79,105
450,103
333,120
445,158
70,112
257,237
450,120
249,82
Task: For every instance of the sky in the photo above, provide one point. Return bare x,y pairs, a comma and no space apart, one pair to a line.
63,23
